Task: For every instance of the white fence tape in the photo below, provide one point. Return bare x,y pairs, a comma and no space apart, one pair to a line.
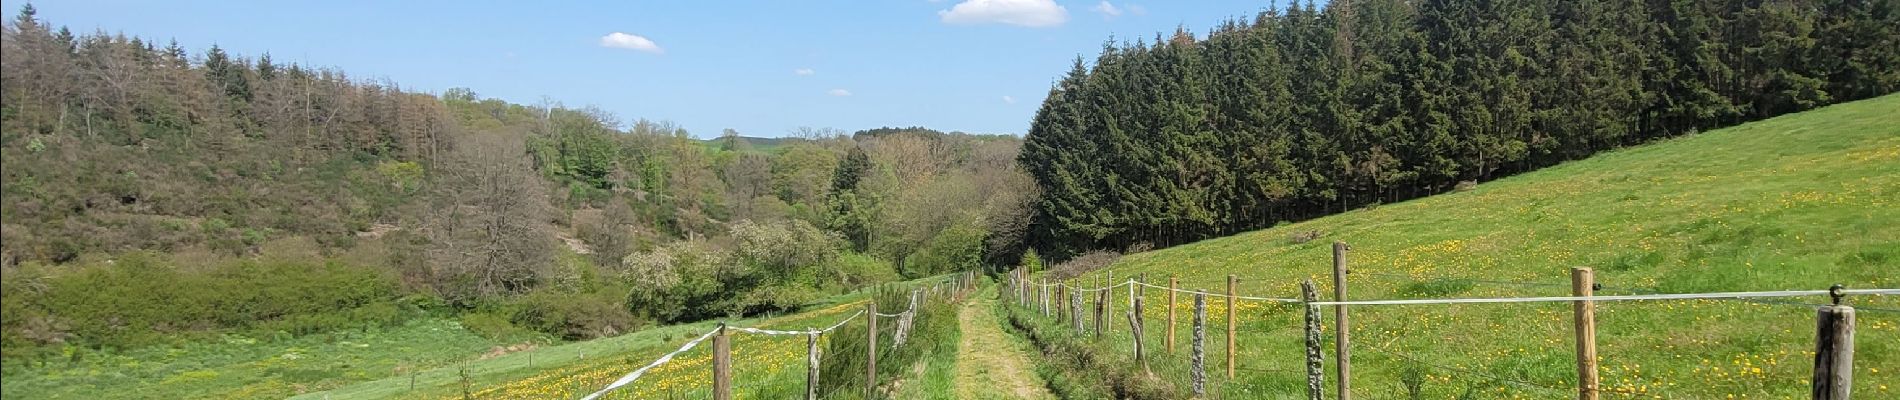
623,381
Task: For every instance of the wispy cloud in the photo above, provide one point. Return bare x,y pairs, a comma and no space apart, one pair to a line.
804,72
839,92
1029,13
1110,11
622,40
1009,99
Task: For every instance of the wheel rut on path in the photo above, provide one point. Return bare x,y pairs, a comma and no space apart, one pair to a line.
991,363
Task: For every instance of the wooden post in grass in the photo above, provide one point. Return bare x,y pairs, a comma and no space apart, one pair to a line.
811,363
1582,284
870,350
1833,351
1173,284
1198,361
722,365
1232,322
1342,343
1075,311
1315,357
1108,303
1056,301
1135,328
1101,311
1062,298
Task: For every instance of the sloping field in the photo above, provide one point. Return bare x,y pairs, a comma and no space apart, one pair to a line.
1802,202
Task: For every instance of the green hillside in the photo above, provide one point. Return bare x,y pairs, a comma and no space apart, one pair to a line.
1802,201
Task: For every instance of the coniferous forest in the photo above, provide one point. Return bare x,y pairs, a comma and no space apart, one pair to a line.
1310,110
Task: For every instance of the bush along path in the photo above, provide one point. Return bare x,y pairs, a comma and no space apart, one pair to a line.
992,364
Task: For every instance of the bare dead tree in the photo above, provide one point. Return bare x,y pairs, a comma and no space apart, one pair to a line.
485,226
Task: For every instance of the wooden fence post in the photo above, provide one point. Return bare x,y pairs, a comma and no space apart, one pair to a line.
1833,352
1101,311
870,350
1315,357
1135,328
1062,301
1582,281
1055,301
1108,300
1048,298
722,364
1173,283
1198,361
1342,343
811,363
1075,311
1232,322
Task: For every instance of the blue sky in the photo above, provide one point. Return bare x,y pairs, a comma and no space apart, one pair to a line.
762,68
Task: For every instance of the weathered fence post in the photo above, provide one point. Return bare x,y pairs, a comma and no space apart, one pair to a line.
1582,284
1135,326
1834,350
811,363
1198,361
1062,301
1232,322
1108,300
1023,275
870,350
1101,312
1044,285
1342,343
1173,282
1315,357
1075,311
722,364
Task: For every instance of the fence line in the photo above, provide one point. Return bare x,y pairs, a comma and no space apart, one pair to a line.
1671,296
962,284
1657,296
1582,296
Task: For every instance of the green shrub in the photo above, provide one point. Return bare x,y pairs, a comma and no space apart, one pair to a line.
959,248
493,326
573,315
141,300
854,270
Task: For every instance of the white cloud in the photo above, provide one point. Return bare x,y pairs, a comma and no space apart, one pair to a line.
1009,99
622,40
1029,13
1110,11
839,92
804,71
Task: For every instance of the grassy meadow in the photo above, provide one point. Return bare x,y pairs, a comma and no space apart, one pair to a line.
1798,202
